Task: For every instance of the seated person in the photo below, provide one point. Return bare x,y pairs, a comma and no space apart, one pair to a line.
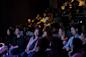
74,31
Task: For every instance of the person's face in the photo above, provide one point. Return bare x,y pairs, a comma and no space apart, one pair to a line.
73,31
60,32
44,34
36,32
8,32
17,31
38,15
44,14
29,20
82,36
40,18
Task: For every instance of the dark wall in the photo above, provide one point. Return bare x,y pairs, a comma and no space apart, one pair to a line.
15,11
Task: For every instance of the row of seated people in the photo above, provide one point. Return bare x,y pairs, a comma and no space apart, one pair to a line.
53,41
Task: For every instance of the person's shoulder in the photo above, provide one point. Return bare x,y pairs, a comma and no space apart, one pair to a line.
78,35
77,55
71,37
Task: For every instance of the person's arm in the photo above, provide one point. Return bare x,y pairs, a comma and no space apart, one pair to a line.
29,44
68,45
35,47
13,47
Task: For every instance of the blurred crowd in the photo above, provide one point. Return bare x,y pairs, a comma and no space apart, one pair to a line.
44,37
50,34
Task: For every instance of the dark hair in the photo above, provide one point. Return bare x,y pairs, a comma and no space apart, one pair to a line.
77,44
43,44
62,29
75,26
11,29
57,43
40,31
55,25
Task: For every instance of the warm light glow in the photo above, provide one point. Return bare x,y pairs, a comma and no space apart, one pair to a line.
32,20
62,7
29,20
81,2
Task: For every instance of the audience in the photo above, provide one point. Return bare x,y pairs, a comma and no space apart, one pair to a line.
74,31
45,37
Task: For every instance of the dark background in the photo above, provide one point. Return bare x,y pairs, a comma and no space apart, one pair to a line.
15,11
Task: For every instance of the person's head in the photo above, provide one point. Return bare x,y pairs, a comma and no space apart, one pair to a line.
29,20
74,30
8,32
38,15
83,37
60,32
55,26
17,31
83,27
36,32
44,14
77,44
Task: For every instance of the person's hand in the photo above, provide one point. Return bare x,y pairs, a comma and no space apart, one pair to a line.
67,49
27,51
13,47
35,39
